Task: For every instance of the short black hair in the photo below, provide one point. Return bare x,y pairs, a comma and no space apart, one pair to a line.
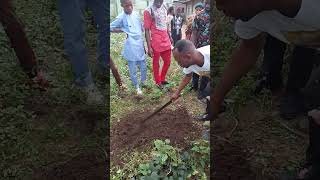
123,1
184,46
171,9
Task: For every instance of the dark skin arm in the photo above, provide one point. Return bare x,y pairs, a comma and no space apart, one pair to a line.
169,34
185,81
194,36
242,60
116,31
147,35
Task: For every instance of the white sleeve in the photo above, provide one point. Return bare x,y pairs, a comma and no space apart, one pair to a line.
245,30
187,71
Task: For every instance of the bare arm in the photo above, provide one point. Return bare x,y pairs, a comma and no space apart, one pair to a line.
194,30
169,34
242,60
194,36
185,81
169,30
116,30
147,35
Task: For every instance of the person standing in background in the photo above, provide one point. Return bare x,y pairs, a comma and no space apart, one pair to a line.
176,26
201,37
130,23
158,40
73,25
199,9
169,20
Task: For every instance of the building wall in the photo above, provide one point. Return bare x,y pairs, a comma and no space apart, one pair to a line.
138,6
181,6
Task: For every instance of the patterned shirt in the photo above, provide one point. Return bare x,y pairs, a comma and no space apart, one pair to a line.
201,24
131,24
155,19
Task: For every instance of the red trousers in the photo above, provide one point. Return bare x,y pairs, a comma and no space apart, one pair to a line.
19,42
166,57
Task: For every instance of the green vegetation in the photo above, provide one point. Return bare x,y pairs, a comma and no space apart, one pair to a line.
41,129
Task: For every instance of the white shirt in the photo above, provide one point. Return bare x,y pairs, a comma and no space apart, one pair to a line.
205,68
303,29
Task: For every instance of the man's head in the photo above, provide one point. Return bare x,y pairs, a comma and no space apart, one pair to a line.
240,9
198,7
178,11
171,10
158,3
207,5
127,6
183,52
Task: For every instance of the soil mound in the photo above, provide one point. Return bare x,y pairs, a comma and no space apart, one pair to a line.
229,162
82,167
175,125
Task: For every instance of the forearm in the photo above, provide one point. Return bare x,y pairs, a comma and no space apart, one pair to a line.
116,30
242,60
169,34
147,35
194,35
185,81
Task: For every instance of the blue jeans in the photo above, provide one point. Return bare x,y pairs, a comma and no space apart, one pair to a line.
133,71
73,26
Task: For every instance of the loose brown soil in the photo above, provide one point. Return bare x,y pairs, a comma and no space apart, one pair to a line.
259,148
229,162
86,166
130,132
80,122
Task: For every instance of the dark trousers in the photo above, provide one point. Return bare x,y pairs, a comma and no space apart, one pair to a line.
300,66
203,82
176,37
272,62
19,42
313,152
312,101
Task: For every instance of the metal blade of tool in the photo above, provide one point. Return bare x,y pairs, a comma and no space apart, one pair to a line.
157,111
142,124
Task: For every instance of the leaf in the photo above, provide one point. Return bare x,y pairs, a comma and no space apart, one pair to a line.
195,172
154,176
195,148
167,141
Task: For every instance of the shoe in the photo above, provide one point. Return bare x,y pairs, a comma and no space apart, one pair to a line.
139,92
194,88
94,96
291,106
123,87
160,86
204,117
260,85
144,86
164,83
201,95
